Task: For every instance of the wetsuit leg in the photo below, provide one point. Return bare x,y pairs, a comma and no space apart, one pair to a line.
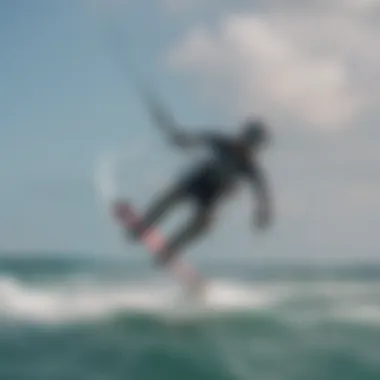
160,206
194,229
205,189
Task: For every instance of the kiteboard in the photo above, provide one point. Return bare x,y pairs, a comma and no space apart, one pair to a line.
154,242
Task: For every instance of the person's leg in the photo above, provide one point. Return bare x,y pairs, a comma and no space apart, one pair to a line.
194,229
161,205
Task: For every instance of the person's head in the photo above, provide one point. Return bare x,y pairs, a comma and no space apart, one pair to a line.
254,133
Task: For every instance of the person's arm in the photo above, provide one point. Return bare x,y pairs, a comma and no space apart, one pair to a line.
165,121
263,216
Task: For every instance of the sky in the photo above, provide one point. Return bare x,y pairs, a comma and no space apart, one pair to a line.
310,68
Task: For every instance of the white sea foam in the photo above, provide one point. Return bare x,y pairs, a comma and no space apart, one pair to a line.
57,303
92,299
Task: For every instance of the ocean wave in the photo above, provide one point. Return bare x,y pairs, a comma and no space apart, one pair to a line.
84,299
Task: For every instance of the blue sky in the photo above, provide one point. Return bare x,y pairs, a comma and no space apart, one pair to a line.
65,99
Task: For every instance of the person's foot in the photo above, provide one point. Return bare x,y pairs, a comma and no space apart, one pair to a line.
121,211
124,213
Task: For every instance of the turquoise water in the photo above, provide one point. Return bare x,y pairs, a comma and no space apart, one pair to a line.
87,319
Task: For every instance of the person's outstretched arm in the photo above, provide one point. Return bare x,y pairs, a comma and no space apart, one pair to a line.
263,215
165,121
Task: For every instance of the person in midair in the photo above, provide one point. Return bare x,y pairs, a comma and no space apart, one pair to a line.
232,159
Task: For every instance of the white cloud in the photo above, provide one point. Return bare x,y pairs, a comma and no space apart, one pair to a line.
318,66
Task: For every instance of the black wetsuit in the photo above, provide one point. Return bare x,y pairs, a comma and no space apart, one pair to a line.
205,185
218,175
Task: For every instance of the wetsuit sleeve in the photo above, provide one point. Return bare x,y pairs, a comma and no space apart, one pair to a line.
177,134
167,124
174,132
190,140
261,188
